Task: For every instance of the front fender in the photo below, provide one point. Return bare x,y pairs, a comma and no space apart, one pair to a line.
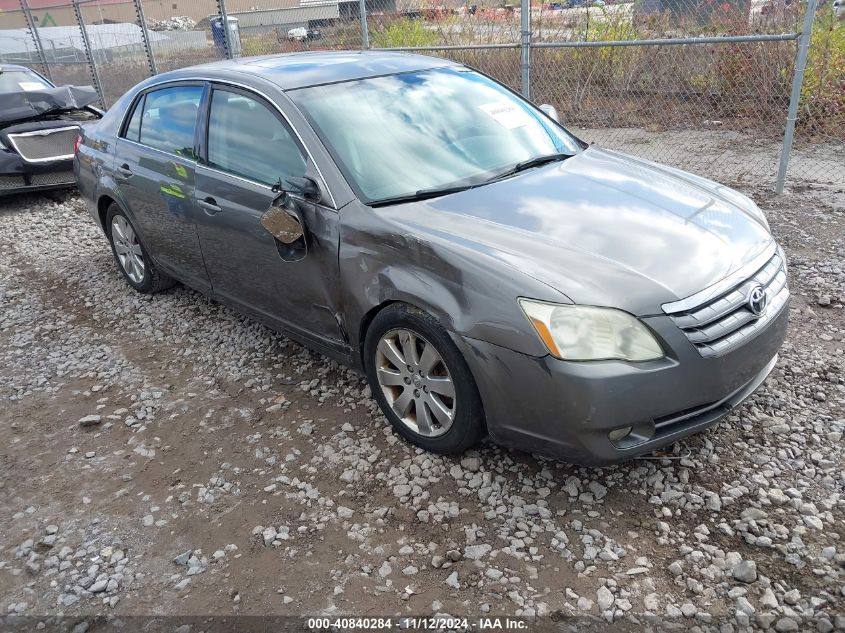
472,294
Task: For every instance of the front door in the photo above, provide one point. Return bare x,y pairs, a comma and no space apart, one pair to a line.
155,169
250,148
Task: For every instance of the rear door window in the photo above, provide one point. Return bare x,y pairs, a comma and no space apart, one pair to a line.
246,139
170,120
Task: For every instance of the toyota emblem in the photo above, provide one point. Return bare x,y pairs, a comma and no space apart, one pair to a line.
757,300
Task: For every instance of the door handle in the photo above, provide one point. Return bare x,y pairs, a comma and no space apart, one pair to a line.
209,205
124,170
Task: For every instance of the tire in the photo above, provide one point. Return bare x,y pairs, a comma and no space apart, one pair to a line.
417,404
133,261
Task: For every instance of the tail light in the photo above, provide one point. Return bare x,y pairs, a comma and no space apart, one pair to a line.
76,144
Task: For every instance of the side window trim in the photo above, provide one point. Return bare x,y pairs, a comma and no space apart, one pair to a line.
138,102
224,83
201,140
142,102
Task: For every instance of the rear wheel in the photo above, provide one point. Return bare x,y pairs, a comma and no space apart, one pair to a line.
131,257
422,382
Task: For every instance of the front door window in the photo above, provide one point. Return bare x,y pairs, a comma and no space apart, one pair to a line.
246,139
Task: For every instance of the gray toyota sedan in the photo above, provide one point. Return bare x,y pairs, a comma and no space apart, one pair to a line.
490,272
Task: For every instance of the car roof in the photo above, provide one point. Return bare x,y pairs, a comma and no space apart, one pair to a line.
297,70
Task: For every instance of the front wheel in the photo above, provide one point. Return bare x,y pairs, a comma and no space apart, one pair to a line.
422,382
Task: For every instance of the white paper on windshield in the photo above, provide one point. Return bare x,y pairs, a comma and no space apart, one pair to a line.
508,115
30,85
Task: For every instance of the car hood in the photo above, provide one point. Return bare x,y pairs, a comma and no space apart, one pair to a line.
26,104
603,228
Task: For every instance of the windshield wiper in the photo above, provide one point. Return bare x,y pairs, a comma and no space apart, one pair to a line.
436,192
422,194
531,162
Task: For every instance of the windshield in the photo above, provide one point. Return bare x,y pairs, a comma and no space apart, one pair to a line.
21,81
396,135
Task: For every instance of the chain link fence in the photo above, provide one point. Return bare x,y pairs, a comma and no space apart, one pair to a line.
820,113
711,86
57,49
684,104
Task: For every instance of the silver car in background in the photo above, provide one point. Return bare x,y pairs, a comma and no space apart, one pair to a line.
491,273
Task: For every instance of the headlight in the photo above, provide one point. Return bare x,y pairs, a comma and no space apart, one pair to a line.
588,333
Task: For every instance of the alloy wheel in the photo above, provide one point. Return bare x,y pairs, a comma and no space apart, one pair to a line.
416,382
128,248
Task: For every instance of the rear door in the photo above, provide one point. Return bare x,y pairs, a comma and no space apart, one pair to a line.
156,167
249,147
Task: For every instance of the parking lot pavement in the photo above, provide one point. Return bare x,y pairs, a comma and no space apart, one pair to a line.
166,455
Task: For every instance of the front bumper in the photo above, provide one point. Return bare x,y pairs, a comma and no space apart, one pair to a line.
566,409
17,176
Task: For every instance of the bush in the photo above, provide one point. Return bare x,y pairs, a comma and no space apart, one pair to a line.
822,106
259,44
753,80
404,32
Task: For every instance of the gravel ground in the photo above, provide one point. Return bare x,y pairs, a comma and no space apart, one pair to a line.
165,455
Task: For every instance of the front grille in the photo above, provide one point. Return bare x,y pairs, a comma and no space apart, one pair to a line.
724,322
52,178
11,182
45,145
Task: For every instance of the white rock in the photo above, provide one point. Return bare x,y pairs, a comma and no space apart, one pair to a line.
604,598
99,586
768,599
599,491
401,490
745,571
786,625
493,574
472,464
268,535
477,552
813,522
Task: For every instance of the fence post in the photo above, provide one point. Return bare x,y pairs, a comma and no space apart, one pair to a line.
525,46
221,10
145,37
87,45
365,33
797,81
33,29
